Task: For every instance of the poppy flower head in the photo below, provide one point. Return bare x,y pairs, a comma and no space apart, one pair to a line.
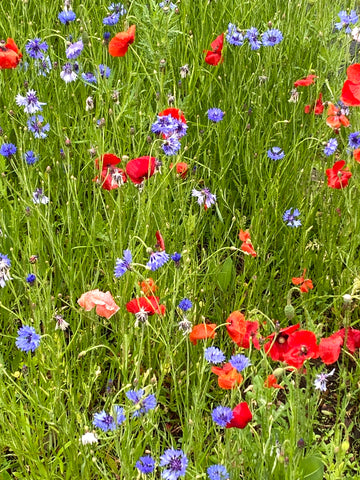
350,94
228,376
148,286
139,169
329,348
318,108
241,416
278,345
305,284
352,337
247,246
107,160
338,177
9,54
236,326
305,82
182,169
150,305
119,45
160,245
202,331
214,56
271,382
336,117
104,302
302,345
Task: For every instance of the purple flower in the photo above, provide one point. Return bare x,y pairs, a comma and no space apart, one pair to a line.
275,153
124,264
171,145
74,50
252,35
354,140
111,19
176,257
157,260
117,8
291,218
27,340
239,362
35,125
331,147
175,461
66,17
271,37
89,77
185,304
107,422
345,20
214,355
164,125
104,71
39,197
204,196
143,404
215,114
36,48
321,380
234,36
217,472
43,66
31,278
145,464
68,73
7,149
30,102
30,157
222,415
5,264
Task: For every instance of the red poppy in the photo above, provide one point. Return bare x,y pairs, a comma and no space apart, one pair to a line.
317,109
213,57
148,286
160,241
111,176
305,82
305,283
202,331
271,382
356,155
246,246
302,345
241,416
278,345
119,45
329,348
228,376
182,169
350,94
335,117
338,178
141,168
352,338
149,305
174,112
241,333
9,54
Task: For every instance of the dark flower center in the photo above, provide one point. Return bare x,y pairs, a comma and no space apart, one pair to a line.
175,463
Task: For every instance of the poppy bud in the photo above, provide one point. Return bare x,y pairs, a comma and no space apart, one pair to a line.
289,311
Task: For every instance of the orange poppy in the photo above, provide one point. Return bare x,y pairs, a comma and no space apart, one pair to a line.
182,169
335,117
271,382
202,331
119,45
305,82
148,286
9,54
246,246
305,284
356,154
104,302
228,376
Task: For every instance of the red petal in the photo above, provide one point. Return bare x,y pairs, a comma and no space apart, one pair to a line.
329,348
218,43
140,168
353,73
119,45
213,58
160,240
174,112
350,94
241,416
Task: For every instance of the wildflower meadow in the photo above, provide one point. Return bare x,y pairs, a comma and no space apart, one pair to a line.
179,239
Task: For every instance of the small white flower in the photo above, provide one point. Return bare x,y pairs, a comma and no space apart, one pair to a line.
347,299
89,438
321,380
355,33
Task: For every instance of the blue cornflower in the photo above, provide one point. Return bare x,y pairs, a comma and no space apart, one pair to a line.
104,71
346,19
30,157
106,36
214,355
117,8
5,264
89,77
74,50
164,125
124,264
35,125
157,260
185,304
204,196
145,464
330,147
217,472
31,278
143,404
290,218
239,362
321,380
252,35
222,415
68,72
27,339
171,145
30,102
36,48
111,19
106,422
215,114
271,37
354,140
66,17
43,66
7,149
176,461
176,257
179,129
39,197
167,4
275,153
234,36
